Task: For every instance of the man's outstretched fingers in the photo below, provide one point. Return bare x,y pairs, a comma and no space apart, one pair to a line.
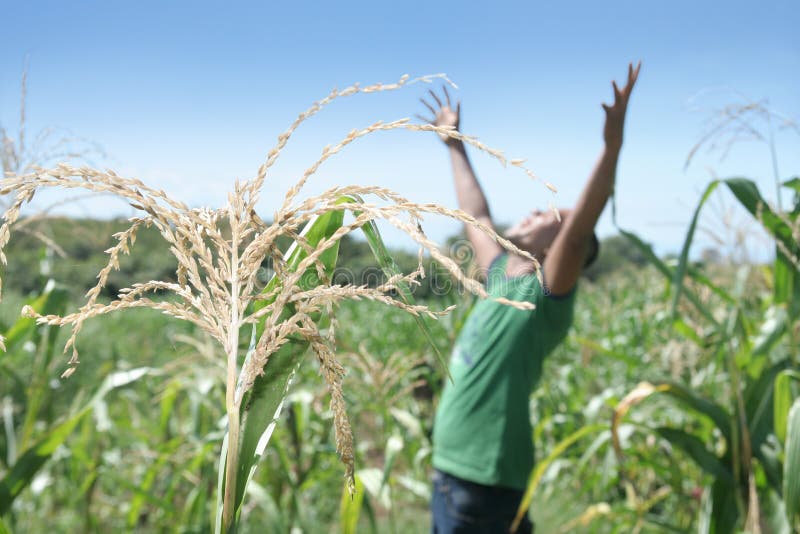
617,92
633,75
435,97
428,106
424,119
447,96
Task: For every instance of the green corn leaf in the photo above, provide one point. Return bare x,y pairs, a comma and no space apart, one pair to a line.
701,405
793,183
368,507
38,392
785,273
541,467
724,510
718,513
52,302
791,467
682,393
697,451
683,260
668,273
350,508
748,195
787,277
648,252
759,404
167,405
390,268
787,283
261,405
31,460
783,401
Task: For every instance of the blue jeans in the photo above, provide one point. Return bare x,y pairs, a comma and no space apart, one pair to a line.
462,507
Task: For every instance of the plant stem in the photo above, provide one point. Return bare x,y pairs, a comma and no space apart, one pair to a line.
231,463
232,456
737,417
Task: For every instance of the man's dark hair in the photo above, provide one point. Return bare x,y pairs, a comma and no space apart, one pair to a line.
594,251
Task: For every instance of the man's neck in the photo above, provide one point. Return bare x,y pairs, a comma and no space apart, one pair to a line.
518,266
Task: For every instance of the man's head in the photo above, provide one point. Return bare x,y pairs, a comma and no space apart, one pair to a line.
536,233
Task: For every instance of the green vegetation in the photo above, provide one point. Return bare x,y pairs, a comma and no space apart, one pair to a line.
146,459
673,406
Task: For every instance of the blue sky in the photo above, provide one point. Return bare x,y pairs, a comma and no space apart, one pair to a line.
190,95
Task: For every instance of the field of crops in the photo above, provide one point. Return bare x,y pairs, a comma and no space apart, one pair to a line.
131,441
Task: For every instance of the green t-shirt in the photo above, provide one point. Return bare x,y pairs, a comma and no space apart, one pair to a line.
482,431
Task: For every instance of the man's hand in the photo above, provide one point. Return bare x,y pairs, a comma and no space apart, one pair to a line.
468,191
615,114
445,116
564,261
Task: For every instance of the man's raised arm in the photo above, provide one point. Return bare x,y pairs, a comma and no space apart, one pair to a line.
564,260
468,191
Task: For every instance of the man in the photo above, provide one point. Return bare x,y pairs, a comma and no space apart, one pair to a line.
482,438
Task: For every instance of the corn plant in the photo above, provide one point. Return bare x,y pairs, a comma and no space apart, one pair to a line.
747,445
219,255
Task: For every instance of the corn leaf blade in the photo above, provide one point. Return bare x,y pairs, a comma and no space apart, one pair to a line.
668,272
680,271
541,467
390,268
350,508
791,467
748,195
261,405
52,301
783,401
697,451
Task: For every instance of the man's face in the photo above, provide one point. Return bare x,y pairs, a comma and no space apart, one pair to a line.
537,231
